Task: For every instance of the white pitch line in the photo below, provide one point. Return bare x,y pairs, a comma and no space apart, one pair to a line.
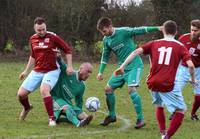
125,126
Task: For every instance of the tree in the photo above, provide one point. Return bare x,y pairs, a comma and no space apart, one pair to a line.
173,10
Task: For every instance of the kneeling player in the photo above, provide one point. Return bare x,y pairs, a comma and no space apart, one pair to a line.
71,87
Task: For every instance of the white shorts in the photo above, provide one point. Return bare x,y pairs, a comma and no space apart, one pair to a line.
183,76
34,79
172,100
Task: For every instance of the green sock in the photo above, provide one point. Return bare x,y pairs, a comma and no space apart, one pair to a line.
110,100
71,116
136,100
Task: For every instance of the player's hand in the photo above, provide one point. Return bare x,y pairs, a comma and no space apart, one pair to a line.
194,83
23,75
57,51
99,77
161,28
70,70
119,71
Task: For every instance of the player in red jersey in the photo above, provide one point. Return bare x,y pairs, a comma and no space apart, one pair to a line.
192,43
46,71
165,55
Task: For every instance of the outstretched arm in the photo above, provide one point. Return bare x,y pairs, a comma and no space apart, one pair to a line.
143,30
120,70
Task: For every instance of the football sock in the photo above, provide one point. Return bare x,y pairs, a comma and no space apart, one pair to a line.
48,102
160,116
196,104
110,100
25,103
175,123
71,116
136,100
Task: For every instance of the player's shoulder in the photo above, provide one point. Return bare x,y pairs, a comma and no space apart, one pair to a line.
49,33
34,36
184,36
170,40
122,29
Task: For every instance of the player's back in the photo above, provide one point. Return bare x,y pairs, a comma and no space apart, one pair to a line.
166,55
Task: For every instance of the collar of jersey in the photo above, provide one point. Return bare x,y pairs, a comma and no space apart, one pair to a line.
114,29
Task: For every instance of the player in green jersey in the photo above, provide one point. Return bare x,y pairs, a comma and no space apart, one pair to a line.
71,87
120,42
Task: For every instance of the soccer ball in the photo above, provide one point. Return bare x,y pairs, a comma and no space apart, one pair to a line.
92,104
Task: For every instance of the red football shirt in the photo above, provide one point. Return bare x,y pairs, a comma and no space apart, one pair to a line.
42,51
193,48
165,55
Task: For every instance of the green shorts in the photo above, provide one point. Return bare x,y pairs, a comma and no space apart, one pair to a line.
58,105
131,77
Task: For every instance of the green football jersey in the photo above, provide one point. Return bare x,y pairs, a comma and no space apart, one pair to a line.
121,43
69,87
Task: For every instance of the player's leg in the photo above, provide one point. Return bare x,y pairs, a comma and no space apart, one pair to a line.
182,77
174,102
48,82
196,101
31,83
133,78
159,112
84,118
113,83
60,106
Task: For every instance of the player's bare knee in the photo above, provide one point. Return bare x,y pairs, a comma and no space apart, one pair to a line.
108,89
22,93
65,108
45,91
131,89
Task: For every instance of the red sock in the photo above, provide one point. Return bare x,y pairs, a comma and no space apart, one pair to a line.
175,123
25,103
48,102
196,104
160,115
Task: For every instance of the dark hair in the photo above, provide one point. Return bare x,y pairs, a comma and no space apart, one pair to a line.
39,20
170,27
195,23
103,22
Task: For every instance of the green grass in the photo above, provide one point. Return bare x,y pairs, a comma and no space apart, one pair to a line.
36,122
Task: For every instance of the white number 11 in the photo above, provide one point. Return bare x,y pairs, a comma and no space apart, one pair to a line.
162,51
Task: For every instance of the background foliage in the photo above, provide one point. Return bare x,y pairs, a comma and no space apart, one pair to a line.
75,20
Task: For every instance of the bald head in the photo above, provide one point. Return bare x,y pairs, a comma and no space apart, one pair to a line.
85,70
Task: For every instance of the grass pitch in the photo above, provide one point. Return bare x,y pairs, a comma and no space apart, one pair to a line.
36,124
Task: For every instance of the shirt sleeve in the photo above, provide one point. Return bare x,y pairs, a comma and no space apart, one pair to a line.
60,43
79,99
147,47
141,30
105,57
62,64
185,54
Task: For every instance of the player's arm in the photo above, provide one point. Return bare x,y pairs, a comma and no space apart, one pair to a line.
120,70
68,52
29,66
191,70
79,100
104,60
62,64
143,30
